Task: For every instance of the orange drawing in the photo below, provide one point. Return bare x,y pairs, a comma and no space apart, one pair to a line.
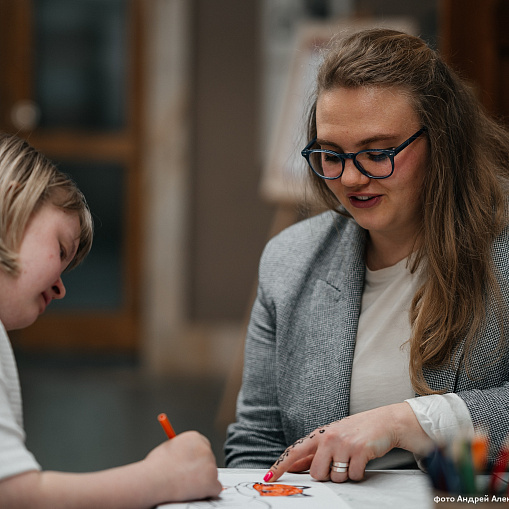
250,495
278,490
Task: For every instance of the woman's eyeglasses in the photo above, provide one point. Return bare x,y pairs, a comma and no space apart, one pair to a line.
374,163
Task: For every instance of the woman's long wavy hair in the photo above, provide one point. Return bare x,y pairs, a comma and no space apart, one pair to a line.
27,181
464,192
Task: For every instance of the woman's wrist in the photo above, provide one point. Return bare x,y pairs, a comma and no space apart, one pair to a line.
409,433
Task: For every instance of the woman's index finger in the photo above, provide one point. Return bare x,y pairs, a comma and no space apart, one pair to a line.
299,450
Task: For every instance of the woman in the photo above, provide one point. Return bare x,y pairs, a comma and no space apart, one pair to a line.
379,326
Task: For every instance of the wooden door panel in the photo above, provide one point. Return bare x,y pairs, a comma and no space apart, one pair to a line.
81,135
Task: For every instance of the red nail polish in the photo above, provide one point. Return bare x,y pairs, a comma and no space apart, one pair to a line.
268,476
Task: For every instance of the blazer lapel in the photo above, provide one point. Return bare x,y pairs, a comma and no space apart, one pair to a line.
337,301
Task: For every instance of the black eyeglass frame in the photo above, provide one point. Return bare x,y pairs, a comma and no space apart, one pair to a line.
390,152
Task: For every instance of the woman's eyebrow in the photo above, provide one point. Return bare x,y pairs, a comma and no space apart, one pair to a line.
367,141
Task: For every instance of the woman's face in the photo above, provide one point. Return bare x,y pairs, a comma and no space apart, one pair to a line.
350,120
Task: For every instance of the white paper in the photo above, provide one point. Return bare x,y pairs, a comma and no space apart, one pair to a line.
388,489
244,490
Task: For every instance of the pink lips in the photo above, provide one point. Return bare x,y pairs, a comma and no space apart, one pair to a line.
364,203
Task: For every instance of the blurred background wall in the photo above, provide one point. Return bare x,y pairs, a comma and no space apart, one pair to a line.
166,112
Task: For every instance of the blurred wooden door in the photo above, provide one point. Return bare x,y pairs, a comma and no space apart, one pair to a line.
475,41
70,84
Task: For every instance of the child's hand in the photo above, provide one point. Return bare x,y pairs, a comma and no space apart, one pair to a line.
179,469
184,468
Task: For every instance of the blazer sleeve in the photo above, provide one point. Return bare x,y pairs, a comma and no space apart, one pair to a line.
483,384
489,409
256,439
484,387
300,339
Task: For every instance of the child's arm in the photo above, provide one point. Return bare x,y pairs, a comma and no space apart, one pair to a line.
180,469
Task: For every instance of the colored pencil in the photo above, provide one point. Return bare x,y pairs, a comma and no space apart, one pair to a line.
165,423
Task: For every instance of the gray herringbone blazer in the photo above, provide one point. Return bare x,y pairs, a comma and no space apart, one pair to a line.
301,339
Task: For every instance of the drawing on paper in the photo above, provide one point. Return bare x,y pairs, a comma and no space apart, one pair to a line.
251,494
279,490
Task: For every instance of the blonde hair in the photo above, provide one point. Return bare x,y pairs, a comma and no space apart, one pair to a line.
27,181
464,192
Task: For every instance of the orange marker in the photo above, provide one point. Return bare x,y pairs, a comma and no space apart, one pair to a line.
480,452
165,423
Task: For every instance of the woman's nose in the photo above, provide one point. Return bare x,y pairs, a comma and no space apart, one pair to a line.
352,176
58,289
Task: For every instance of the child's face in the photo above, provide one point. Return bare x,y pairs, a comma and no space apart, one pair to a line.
49,244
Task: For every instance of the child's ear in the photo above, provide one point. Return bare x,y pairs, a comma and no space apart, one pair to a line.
8,262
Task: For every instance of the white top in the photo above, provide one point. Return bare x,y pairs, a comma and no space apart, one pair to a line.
14,456
380,363
380,373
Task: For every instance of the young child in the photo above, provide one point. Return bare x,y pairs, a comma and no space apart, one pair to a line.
46,228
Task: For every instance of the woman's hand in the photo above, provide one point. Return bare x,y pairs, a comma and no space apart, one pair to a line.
353,442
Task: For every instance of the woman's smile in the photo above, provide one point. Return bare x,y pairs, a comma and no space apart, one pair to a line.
364,201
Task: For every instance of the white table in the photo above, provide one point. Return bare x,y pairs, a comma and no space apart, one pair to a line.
380,489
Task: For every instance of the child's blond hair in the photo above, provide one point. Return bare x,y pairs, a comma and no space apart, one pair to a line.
27,181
